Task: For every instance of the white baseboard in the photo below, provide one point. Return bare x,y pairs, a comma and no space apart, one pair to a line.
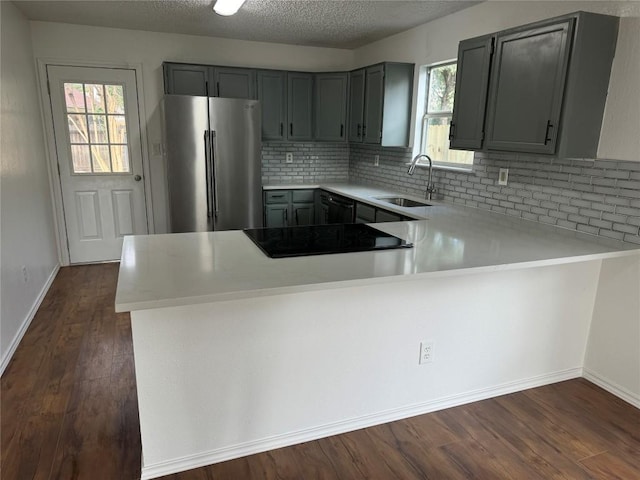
612,387
249,448
27,321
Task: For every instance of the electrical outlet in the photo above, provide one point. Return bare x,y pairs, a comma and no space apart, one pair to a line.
289,157
25,274
426,352
503,176
376,160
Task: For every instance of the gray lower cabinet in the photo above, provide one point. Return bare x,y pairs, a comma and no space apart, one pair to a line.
380,99
330,107
545,87
303,207
277,215
272,93
277,208
299,106
303,213
285,208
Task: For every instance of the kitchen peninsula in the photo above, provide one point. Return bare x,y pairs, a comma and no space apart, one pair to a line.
238,353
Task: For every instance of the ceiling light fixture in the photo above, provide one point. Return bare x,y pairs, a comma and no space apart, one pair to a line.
227,7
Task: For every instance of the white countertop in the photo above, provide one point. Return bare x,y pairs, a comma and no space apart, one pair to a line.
158,271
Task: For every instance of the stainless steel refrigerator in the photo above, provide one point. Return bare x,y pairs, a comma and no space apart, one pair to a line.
213,163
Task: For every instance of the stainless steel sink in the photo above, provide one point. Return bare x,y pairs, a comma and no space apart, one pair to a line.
403,202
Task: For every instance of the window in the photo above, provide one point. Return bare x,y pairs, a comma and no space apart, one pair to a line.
97,128
441,83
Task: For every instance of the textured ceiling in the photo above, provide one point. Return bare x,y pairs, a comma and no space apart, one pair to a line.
325,23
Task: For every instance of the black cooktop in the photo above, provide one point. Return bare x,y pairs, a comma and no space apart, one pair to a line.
322,239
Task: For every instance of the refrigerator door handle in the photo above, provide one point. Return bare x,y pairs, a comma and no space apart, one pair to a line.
207,156
214,161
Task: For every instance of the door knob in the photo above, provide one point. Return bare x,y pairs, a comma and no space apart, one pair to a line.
137,178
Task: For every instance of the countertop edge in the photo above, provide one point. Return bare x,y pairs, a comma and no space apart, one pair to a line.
121,307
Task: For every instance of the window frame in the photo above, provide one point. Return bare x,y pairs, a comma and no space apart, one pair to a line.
426,115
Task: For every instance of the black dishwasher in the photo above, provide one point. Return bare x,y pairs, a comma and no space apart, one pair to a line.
336,209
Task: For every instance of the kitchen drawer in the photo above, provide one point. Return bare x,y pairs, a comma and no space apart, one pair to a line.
277,196
303,196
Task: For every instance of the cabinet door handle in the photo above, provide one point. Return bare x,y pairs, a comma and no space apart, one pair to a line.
291,129
281,129
286,217
218,87
358,134
297,221
546,132
341,130
452,128
364,131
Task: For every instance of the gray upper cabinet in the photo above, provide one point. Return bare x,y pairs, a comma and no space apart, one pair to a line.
272,93
373,103
527,86
183,79
203,80
234,82
547,87
330,106
383,116
356,105
472,79
299,106
370,105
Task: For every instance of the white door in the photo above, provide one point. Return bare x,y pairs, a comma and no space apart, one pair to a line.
98,147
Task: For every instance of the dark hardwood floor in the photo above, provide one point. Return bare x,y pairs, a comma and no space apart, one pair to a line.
69,411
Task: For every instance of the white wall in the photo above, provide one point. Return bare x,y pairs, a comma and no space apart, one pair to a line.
94,45
613,353
238,377
437,41
27,232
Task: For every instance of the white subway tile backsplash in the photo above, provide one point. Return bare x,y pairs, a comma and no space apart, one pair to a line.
600,197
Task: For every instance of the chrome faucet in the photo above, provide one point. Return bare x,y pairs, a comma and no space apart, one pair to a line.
431,189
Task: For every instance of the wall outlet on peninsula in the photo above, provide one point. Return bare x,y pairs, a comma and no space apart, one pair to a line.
376,160
289,157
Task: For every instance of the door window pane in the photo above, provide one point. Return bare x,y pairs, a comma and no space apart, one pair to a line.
97,128
117,129
115,99
74,97
100,158
78,132
120,158
81,158
94,95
